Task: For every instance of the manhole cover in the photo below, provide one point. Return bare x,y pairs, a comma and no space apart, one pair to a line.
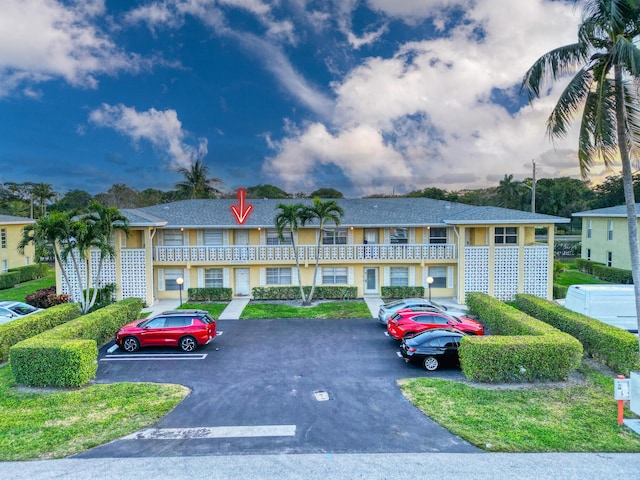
321,396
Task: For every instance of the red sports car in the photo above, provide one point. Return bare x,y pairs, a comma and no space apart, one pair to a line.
178,328
407,323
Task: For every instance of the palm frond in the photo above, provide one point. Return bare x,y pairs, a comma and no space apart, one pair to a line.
625,53
569,102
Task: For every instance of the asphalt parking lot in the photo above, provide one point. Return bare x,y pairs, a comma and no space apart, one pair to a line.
281,386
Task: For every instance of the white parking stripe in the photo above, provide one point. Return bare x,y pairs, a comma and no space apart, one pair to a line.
399,354
213,432
155,356
113,348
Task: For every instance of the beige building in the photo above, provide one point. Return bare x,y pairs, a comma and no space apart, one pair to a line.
605,236
10,236
380,242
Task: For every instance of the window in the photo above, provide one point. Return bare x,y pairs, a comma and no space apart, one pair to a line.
213,278
609,259
399,235
5,266
170,277
399,276
588,228
438,235
370,235
588,254
506,235
3,237
334,236
610,230
439,275
278,276
334,275
173,238
212,237
272,237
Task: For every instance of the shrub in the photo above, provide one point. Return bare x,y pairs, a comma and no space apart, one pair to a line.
66,356
9,280
46,297
31,272
293,293
614,347
586,266
32,325
560,291
612,274
209,294
401,292
520,348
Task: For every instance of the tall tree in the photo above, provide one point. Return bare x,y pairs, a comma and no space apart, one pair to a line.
289,218
326,192
266,191
323,213
606,62
508,192
43,192
196,183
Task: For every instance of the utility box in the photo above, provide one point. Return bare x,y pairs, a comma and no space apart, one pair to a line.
634,386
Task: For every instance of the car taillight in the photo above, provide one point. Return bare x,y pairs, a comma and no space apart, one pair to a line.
412,349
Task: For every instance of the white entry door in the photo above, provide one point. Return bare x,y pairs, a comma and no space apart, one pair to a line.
371,280
241,237
242,282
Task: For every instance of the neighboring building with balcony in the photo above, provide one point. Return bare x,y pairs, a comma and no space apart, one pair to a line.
380,242
10,236
605,236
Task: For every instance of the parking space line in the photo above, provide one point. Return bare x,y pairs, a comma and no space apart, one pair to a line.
155,356
213,432
399,354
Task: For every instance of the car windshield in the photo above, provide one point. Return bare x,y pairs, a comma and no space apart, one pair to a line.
393,304
23,308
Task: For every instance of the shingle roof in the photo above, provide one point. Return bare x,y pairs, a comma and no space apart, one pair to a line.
10,219
617,211
364,212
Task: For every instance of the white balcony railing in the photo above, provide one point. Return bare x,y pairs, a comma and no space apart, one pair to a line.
259,253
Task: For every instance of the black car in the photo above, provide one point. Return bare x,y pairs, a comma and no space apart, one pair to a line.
433,348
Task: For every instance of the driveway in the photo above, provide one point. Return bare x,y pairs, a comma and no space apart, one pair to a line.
282,386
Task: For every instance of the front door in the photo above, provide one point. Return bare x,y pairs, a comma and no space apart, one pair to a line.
371,281
242,282
241,237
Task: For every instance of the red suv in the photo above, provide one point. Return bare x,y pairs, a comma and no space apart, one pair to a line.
406,323
186,329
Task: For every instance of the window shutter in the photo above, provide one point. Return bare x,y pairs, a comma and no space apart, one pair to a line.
263,236
225,277
350,237
386,236
263,277
200,277
160,237
200,237
185,237
294,276
225,237
350,275
161,279
295,237
412,276
449,277
412,235
185,275
386,275
425,234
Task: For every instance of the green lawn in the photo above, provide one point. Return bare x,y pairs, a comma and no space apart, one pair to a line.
58,424
574,277
215,309
580,418
19,292
357,309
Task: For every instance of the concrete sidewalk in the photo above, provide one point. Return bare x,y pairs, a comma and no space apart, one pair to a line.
234,309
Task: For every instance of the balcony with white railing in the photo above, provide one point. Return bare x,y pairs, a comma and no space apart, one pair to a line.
285,253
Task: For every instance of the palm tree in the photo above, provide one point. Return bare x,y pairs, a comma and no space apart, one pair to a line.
606,62
290,218
324,212
508,191
196,184
43,193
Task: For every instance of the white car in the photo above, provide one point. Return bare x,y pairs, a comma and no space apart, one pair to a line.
388,309
10,310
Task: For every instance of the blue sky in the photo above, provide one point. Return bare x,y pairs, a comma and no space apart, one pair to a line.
365,96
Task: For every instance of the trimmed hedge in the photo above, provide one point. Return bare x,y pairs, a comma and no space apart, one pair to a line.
66,356
520,348
612,346
612,274
322,292
209,294
34,324
31,272
9,280
401,292
560,291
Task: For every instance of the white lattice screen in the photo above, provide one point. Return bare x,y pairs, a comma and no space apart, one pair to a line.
476,269
133,273
108,272
73,276
536,270
505,272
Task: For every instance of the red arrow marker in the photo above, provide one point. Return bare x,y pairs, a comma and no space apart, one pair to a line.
241,211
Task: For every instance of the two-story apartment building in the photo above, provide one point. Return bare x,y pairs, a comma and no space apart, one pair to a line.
605,236
379,242
10,236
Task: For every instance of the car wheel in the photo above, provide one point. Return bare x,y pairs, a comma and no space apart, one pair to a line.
188,344
130,344
431,363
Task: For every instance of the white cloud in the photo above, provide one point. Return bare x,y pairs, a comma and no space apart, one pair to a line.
44,39
160,128
432,106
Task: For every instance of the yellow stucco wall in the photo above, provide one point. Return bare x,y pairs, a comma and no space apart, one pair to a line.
9,255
